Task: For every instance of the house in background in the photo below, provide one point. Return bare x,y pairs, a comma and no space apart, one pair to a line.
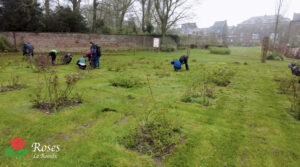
294,31
252,31
248,33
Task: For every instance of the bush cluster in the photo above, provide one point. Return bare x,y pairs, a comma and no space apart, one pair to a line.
156,136
221,75
5,45
219,50
275,56
55,95
13,84
125,82
204,96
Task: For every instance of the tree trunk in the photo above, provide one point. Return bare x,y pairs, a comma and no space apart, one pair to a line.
94,16
47,8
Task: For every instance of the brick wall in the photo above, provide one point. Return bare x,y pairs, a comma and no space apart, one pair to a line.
76,42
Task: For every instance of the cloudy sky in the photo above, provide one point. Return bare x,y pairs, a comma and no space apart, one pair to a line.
206,12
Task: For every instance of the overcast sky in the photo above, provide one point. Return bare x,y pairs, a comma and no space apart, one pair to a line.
206,12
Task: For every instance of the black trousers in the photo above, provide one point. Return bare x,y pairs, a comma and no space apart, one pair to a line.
93,62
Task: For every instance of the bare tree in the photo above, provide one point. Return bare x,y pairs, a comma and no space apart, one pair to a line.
168,13
121,7
278,11
76,4
95,5
147,6
47,7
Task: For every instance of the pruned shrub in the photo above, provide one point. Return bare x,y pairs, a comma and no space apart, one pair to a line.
275,56
221,75
13,84
52,96
285,84
125,82
5,45
219,50
41,63
156,135
204,95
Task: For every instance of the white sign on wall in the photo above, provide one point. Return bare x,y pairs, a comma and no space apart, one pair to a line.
156,42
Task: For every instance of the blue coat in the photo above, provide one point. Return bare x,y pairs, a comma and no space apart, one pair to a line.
177,64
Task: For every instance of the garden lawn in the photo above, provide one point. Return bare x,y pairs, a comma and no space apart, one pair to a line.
248,125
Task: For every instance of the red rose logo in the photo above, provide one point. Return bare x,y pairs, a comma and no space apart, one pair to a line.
17,143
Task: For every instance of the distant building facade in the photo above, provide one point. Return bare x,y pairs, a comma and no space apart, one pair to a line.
294,31
248,33
252,31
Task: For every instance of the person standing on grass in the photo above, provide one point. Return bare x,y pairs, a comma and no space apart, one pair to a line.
53,53
95,56
81,62
176,64
184,60
28,51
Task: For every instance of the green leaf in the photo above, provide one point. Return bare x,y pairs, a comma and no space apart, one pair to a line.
22,152
9,152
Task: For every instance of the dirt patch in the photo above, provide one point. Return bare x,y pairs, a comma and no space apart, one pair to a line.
12,87
122,120
6,131
237,63
158,161
108,110
47,107
245,63
276,151
59,136
79,129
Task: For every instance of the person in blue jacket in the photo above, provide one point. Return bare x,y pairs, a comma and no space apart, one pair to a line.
176,64
28,50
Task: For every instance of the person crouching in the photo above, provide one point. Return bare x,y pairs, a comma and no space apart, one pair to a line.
67,58
81,62
176,64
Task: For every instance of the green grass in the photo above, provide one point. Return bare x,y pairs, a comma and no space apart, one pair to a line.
249,123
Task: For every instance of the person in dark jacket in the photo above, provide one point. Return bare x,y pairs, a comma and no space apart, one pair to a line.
184,60
28,50
67,58
294,68
53,53
176,64
95,57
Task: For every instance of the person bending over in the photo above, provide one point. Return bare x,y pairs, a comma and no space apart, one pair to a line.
28,51
176,64
67,58
53,53
184,60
